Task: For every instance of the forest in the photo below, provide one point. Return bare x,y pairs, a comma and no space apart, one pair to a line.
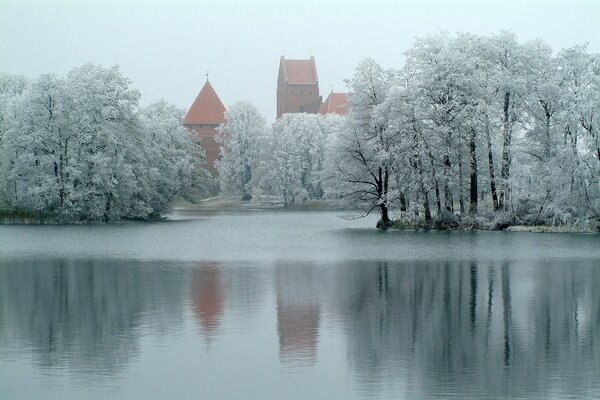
472,132
80,149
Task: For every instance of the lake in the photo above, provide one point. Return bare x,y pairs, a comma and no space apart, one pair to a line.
295,305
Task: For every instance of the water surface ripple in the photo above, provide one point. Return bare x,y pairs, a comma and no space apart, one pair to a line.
301,305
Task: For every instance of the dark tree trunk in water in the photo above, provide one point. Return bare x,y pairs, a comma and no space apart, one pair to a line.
383,202
385,218
507,311
473,186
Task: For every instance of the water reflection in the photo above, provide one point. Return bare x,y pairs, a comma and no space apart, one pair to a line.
472,329
475,331
85,315
298,311
209,298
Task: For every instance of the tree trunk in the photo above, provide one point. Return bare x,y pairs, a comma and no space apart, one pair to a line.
448,200
438,199
425,193
506,156
385,217
109,198
461,192
403,204
548,144
473,164
491,166
383,202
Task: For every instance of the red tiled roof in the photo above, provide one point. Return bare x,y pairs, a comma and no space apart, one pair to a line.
299,72
206,109
335,103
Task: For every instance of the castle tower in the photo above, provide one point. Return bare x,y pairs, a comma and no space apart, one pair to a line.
297,87
202,119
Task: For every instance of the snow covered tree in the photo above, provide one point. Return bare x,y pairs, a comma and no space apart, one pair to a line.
361,161
173,160
239,138
578,118
293,163
12,88
77,149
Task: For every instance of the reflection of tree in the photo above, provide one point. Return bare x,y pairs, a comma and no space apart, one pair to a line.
86,315
442,327
247,286
298,311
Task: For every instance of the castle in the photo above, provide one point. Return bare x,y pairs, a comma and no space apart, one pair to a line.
297,92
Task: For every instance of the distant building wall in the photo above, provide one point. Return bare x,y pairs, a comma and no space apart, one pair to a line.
206,134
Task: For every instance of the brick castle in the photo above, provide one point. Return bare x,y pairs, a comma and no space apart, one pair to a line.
297,92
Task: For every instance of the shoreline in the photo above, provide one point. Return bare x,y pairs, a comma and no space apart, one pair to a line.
265,203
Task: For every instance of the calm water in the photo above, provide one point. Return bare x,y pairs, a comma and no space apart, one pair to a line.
299,305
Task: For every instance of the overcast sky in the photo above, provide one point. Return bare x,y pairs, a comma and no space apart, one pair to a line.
166,47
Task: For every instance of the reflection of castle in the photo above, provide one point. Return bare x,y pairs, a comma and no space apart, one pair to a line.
298,313
297,92
209,298
503,330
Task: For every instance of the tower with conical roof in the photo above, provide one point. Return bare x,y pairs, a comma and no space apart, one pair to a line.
202,119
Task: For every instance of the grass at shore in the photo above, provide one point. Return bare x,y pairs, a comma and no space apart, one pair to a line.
472,225
19,216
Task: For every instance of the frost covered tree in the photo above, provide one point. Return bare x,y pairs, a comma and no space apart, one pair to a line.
78,149
471,125
579,74
239,138
508,61
12,88
174,160
293,161
361,159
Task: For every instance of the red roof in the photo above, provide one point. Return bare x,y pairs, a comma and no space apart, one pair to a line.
299,72
206,109
335,104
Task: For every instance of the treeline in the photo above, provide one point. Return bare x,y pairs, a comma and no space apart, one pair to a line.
471,131
79,148
285,160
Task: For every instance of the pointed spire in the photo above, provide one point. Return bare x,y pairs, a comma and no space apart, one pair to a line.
206,109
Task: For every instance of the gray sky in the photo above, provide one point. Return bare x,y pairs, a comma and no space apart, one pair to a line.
165,47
